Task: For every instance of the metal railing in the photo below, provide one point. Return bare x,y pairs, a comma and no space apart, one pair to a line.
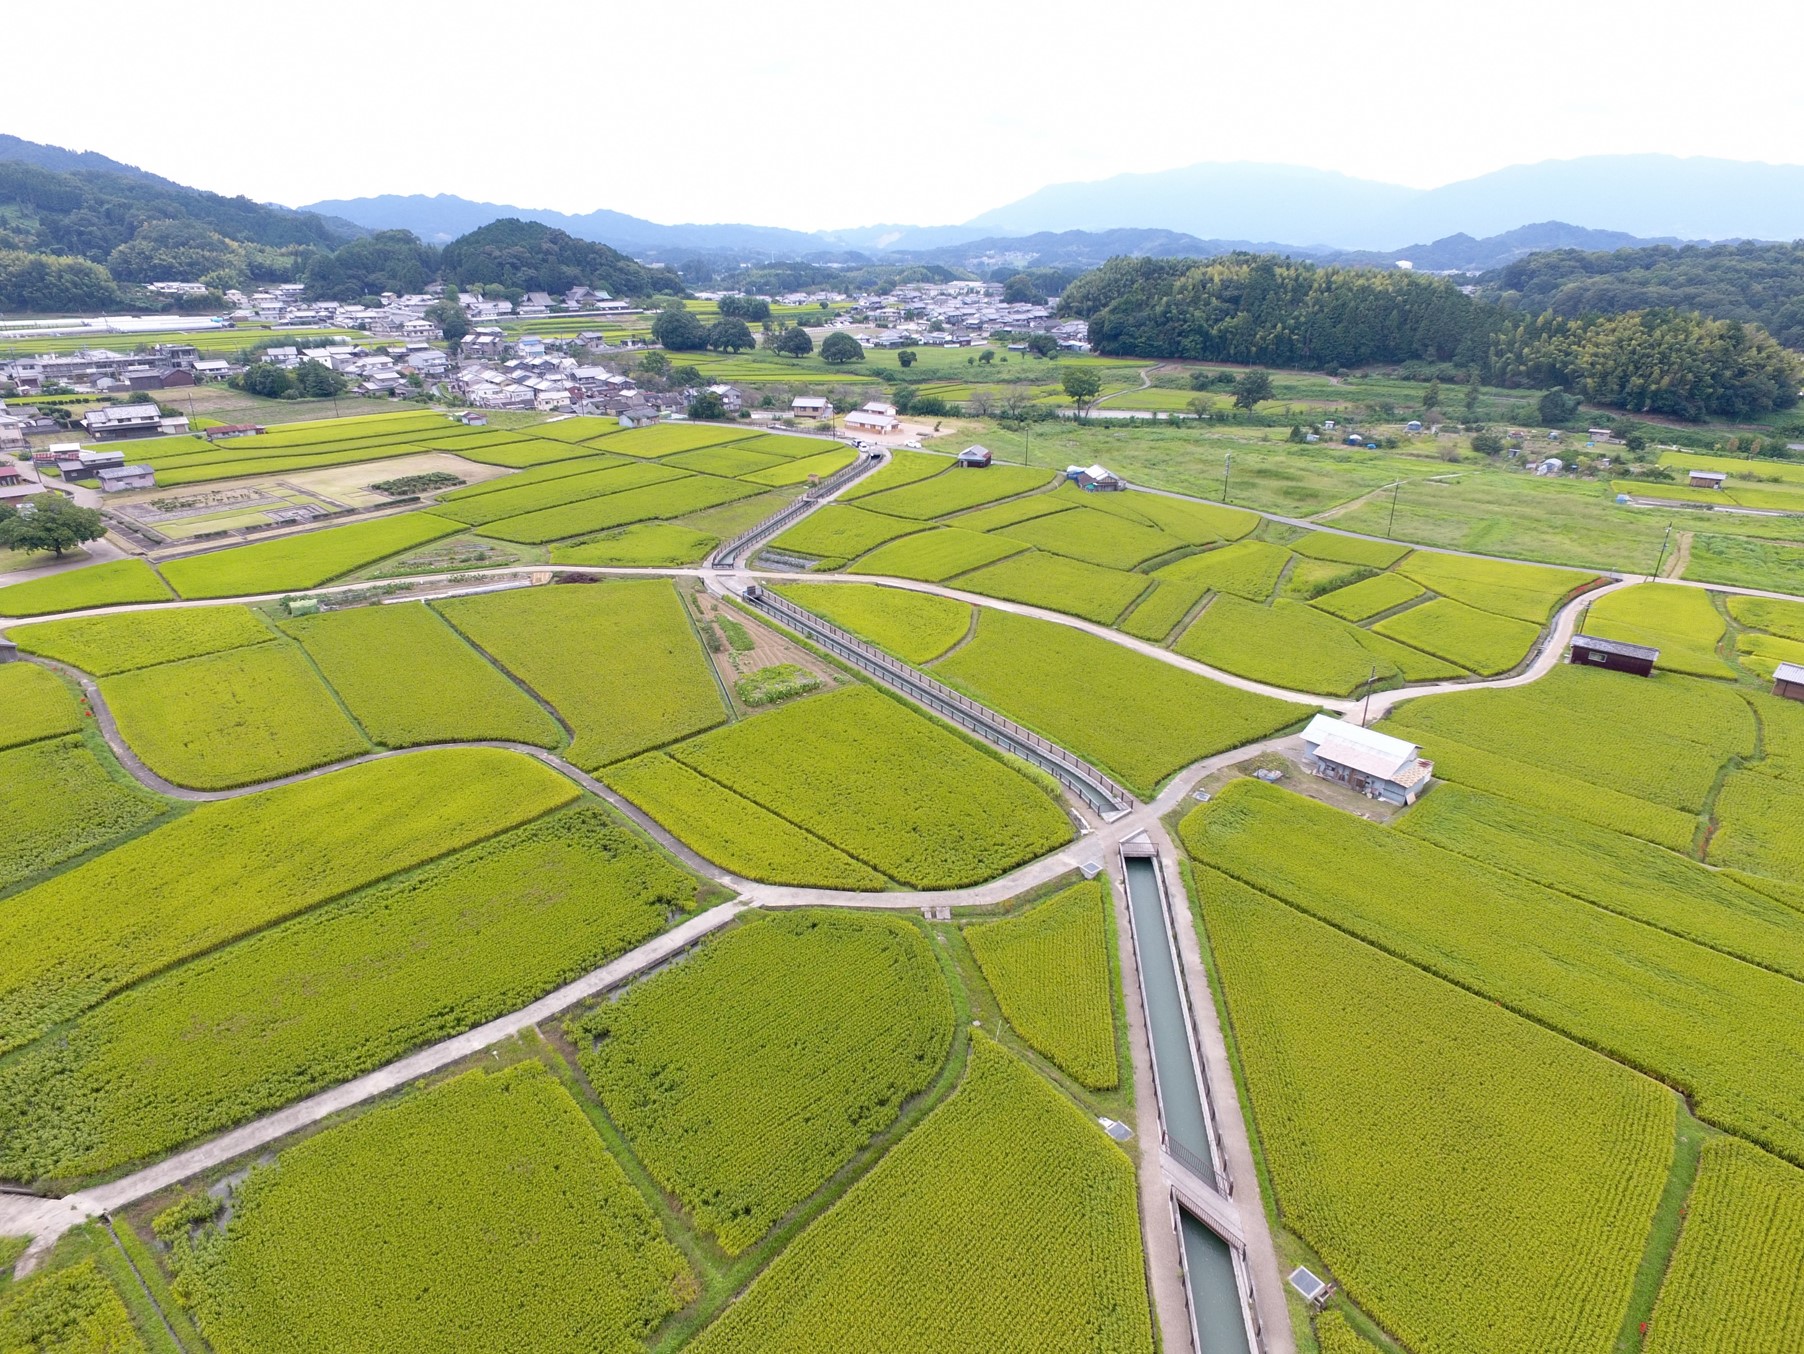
727,556
1092,785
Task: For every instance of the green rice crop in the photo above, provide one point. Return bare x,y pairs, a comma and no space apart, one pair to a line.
962,488
526,452
923,1254
1531,1160
1781,736
1287,644
610,478
747,1076
673,498
327,996
74,1307
905,467
1197,523
1734,1285
231,718
104,645
936,555
118,582
234,866
408,678
839,532
1785,619
1662,739
37,705
643,545
579,428
1138,718
916,627
1760,820
308,560
1335,1334
786,446
619,661
1050,969
1058,584
1160,609
730,460
733,832
555,470
1369,597
1349,549
820,465
1528,592
1012,512
1248,569
886,786
1480,641
1681,623
58,801
662,439
1094,537
1763,654
483,1213
1633,993
1308,579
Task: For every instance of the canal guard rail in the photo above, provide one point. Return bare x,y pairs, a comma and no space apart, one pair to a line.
728,554
1077,775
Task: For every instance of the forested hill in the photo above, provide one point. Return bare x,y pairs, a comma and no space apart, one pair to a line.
1757,283
1271,311
530,256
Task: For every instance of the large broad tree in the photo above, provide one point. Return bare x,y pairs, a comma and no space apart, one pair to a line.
50,522
792,342
1082,384
316,381
707,405
678,331
731,335
266,379
449,316
840,347
1252,387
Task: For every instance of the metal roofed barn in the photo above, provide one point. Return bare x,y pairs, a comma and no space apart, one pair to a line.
1614,654
1375,764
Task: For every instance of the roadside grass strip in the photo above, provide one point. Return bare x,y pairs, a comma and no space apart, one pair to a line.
72,1307
1641,996
1414,1131
818,466
916,627
924,1253
1335,1334
1528,592
119,582
231,718
325,997
234,866
1248,569
1762,825
905,467
1735,1285
643,545
1058,584
732,831
58,801
1479,641
890,788
1661,739
481,1213
1682,623
37,705
105,645
1136,717
1612,870
747,1076
1349,549
1195,523
1094,537
935,555
1292,645
308,560
1049,967
673,498
729,460
1369,597
408,678
610,478
839,532
664,439
619,661
962,488
556,470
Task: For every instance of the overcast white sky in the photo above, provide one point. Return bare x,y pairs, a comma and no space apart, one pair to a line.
813,114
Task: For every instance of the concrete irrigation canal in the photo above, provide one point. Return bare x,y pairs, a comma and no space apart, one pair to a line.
1218,1286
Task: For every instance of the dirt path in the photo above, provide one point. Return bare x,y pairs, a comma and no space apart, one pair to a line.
1681,555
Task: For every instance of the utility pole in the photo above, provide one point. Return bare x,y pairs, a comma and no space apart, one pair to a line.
1396,488
1027,445
1661,562
1366,706
1227,464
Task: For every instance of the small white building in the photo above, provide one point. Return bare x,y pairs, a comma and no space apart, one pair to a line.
1553,465
118,477
811,406
1375,764
868,420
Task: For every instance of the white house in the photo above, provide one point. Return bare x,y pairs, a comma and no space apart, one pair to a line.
1375,764
810,406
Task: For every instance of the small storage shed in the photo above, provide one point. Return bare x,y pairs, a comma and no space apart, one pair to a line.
8,651
117,477
1614,654
1375,764
1094,478
975,457
1707,479
1413,426
1788,681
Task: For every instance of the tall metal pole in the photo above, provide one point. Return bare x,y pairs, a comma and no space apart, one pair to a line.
1027,446
1366,707
1661,562
1395,490
1227,464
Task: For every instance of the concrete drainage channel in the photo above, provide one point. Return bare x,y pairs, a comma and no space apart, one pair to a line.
1218,1285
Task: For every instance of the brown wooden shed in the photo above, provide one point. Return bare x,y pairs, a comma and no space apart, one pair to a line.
1614,654
1788,681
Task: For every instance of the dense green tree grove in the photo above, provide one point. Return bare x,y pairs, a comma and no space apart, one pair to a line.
530,256
46,283
1265,310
